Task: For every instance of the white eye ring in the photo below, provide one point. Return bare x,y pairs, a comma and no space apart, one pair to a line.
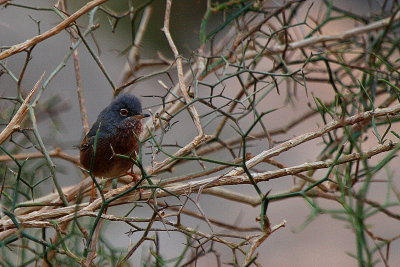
124,112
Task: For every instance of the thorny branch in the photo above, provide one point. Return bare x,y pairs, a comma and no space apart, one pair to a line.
256,66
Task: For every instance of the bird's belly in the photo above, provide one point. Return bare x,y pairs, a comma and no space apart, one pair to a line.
113,168
113,156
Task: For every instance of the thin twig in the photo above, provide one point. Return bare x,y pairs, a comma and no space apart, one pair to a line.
16,121
178,58
53,31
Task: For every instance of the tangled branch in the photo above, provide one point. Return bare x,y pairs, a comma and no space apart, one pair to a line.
262,84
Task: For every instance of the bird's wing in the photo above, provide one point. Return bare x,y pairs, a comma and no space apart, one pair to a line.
88,140
86,143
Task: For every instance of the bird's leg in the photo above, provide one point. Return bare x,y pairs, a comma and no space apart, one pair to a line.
92,193
135,177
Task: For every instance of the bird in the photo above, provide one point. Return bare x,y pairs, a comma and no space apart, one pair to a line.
116,132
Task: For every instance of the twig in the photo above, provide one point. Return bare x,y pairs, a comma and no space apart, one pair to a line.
178,58
53,31
133,56
365,116
309,42
16,121
56,153
258,241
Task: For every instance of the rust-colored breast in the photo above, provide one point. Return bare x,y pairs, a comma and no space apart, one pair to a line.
107,162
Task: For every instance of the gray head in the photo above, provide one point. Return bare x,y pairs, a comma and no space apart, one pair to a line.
122,112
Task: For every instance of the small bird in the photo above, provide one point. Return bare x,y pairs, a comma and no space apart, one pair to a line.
118,128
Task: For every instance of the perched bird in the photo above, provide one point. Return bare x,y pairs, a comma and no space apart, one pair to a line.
118,128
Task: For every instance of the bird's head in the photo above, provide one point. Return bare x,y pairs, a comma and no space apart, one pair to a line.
123,112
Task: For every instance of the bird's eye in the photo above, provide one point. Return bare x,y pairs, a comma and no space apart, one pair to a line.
123,112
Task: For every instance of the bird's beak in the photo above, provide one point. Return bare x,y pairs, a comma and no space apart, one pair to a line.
140,116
